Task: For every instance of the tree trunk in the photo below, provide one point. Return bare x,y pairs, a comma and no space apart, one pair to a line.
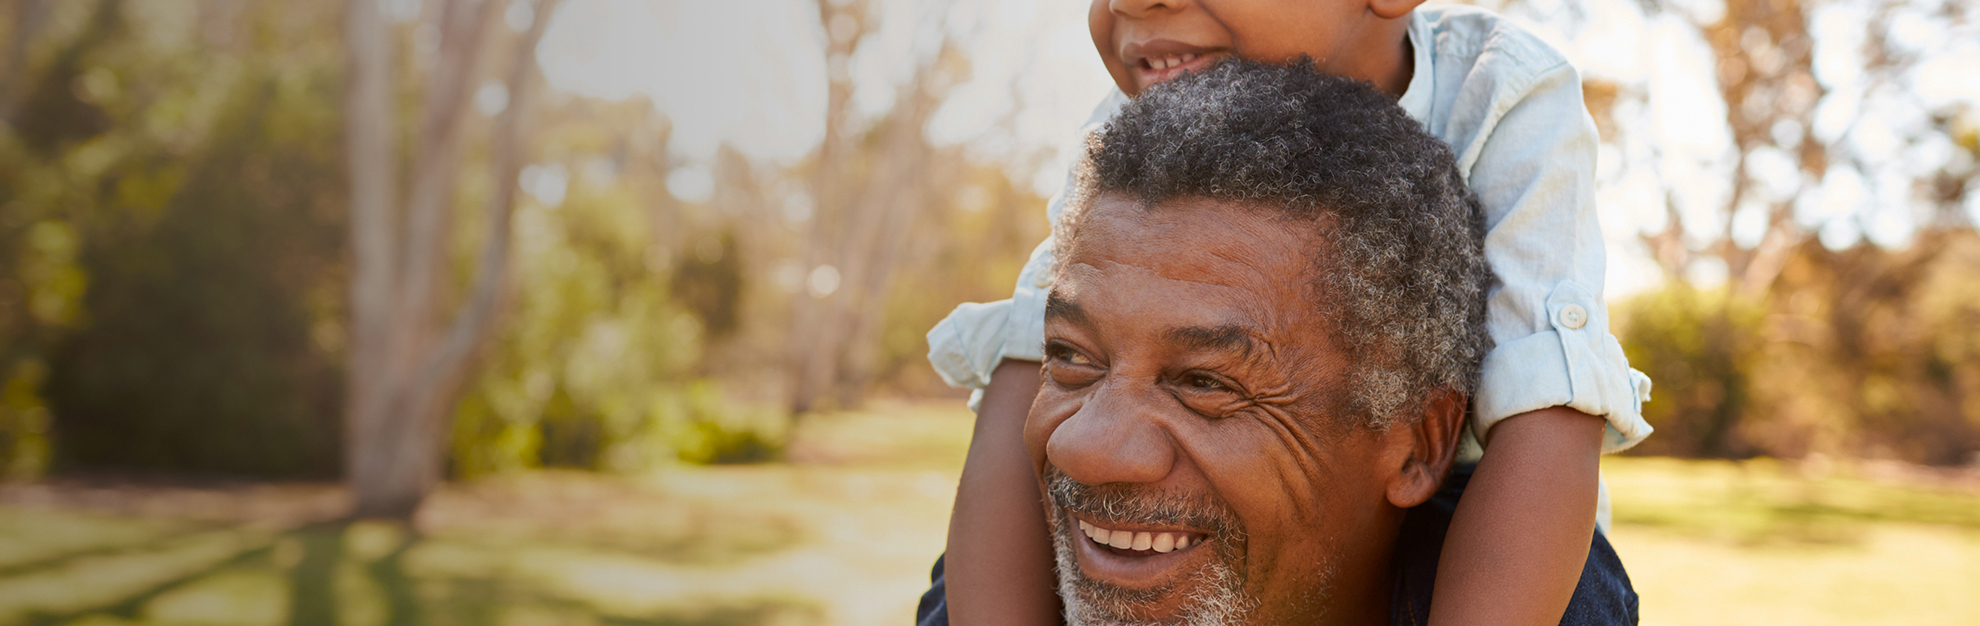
862,219
406,367
29,16
368,152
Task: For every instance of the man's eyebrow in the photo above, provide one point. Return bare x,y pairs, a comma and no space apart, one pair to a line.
1059,307
1226,337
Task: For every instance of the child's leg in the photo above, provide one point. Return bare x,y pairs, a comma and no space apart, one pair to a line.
999,561
1602,597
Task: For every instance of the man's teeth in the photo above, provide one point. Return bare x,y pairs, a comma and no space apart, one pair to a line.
1129,540
1167,62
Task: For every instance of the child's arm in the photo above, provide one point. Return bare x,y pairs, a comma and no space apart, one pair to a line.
999,562
1521,532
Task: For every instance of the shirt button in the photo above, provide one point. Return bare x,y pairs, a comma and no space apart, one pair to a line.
1573,316
1042,280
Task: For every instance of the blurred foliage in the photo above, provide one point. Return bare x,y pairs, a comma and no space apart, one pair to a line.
598,366
173,198
171,205
1698,347
172,262
1860,352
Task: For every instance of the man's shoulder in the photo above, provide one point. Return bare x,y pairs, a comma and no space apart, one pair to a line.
1479,40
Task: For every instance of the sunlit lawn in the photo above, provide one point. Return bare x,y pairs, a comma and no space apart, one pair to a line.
844,534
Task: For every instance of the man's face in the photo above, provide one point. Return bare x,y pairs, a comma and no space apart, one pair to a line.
1144,42
1187,433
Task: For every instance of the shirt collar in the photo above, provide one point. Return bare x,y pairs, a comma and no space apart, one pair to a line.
1416,99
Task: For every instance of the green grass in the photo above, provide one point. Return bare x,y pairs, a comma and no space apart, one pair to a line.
844,534
1762,542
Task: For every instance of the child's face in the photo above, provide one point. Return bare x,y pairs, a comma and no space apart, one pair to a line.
1144,42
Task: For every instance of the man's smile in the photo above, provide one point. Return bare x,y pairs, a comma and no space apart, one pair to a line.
1137,539
1145,559
1136,543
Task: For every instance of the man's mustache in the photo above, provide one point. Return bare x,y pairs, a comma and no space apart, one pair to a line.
1128,504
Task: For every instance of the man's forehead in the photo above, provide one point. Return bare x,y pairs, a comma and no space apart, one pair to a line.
1221,330
1248,232
1205,273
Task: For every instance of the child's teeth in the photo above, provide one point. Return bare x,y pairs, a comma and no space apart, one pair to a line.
1188,57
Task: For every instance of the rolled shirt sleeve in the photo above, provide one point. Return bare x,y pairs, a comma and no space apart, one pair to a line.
1534,172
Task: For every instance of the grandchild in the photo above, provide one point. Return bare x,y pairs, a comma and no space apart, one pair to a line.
1555,392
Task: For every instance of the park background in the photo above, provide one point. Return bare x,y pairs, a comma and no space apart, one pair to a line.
620,303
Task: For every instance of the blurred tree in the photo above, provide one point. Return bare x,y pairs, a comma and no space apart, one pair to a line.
164,209
406,365
204,314
1700,347
866,191
1833,140
868,188
596,369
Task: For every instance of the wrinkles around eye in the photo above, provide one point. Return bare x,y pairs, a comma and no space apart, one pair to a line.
1209,395
1069,367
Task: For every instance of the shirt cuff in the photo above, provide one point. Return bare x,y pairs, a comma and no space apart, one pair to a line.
966,346
1024,328
1575,363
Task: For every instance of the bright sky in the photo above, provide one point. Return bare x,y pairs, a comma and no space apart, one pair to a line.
752,74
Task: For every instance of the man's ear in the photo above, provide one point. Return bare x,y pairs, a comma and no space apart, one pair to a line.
1392,9
1432,444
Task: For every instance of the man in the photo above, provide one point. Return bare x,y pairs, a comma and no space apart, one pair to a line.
1268,317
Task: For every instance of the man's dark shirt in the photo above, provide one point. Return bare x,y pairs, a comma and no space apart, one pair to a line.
1602,597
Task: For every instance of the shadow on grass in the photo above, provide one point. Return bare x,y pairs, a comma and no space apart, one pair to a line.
65,559
333,575
312,591
768,611
705,542
129,606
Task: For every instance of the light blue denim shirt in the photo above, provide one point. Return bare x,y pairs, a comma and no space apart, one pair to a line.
1510,107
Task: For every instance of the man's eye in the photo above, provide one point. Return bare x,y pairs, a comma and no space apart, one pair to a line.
1206,383
1067,355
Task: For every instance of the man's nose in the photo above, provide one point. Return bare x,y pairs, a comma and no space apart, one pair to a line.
1112,439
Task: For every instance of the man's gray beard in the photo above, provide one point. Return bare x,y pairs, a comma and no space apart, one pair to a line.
1219,600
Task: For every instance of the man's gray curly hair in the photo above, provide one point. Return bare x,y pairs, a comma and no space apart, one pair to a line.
1404,269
